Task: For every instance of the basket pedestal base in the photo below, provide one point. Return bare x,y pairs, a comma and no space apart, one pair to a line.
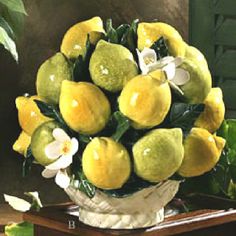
121,221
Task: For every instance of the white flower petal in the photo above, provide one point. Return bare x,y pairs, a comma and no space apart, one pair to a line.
149,53
178,61
181,77
142,65
176,88
17,203
166,60
169,70
53,150
61,163
62,179
74,146
60,135
46,173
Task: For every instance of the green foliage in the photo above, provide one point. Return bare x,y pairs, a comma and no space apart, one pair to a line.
160,48
184,115
21,229
125,34
11,19
79,181
27,163
81,65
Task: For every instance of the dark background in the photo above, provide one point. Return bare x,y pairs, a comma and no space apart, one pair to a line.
44,27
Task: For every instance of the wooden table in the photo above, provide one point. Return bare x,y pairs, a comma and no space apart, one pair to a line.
8,215
54,221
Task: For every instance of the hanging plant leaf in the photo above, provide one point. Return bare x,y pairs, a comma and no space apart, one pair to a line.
14,5
28,161
5,25
122,125
183,115
160,48
8,43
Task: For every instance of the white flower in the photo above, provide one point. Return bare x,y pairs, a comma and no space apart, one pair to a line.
176,76
61,150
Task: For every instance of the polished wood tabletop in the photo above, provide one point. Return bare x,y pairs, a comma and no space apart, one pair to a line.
54,221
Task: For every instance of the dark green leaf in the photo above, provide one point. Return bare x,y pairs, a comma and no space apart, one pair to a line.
133,185
160,48
14,5
121,30
123,124
232,190
80,182
4,24
50,111
111,35
183,115
81,65
28,161
21,229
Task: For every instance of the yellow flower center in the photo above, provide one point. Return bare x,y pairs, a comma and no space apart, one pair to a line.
148,60
66,147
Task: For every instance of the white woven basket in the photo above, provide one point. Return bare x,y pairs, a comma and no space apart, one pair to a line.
144,208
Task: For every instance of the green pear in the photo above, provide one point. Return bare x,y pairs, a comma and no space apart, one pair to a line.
50,76
158,154
112,66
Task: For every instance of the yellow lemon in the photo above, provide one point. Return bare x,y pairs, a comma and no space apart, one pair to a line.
41,137
84,107
74,41
106,163
213,115
146,100
22,143
202,151
159,154
194,54
148,33
50,76
112,66
29,114
199,85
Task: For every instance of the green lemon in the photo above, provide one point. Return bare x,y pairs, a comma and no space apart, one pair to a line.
199,85
112,66
106,163
41,137
159,154
50,76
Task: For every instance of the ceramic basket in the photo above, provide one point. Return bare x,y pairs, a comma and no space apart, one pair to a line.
144,208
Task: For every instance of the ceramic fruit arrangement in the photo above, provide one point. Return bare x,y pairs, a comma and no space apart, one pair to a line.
120,111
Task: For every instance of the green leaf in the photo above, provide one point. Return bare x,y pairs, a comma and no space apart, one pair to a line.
5,25
111,35
183,115
81,65
80,182
14,5
21,229
8,43
122,125
36,202
232,190
28,161
50,111
160,48
133,185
